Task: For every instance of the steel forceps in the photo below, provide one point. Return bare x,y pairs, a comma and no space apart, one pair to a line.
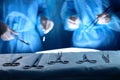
35,64
58,60
18,38
85,59
13,63
21,40
94,22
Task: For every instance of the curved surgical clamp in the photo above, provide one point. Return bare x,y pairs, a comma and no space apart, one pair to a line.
13,63
58,60
85,59
35,64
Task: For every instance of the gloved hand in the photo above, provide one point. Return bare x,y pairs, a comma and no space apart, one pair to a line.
6,33
73,22
103,18
47,25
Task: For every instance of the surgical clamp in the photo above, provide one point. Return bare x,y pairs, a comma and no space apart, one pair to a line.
35,64
58,60
13,63
85,59
106,58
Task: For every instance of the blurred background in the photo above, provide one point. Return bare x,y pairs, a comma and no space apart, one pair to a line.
57,37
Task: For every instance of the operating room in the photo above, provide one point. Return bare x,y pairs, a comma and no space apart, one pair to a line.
59,39
59,34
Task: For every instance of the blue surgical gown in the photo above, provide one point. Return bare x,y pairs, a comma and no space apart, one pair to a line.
99,36
23,17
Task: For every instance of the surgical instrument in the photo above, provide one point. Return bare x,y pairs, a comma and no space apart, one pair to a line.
16,37
13,63
97,18
85,59
106,58
35,64
58,60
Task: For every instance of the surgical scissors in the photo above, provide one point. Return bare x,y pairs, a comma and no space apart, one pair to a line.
58,60
13,63
35,64
85,59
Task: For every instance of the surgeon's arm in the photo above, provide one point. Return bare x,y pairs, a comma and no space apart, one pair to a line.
69,16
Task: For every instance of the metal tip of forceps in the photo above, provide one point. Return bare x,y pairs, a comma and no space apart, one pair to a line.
23,41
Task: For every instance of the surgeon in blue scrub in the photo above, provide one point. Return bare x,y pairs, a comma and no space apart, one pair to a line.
95,23
22,23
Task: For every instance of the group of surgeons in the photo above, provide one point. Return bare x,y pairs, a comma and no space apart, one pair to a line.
95,24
